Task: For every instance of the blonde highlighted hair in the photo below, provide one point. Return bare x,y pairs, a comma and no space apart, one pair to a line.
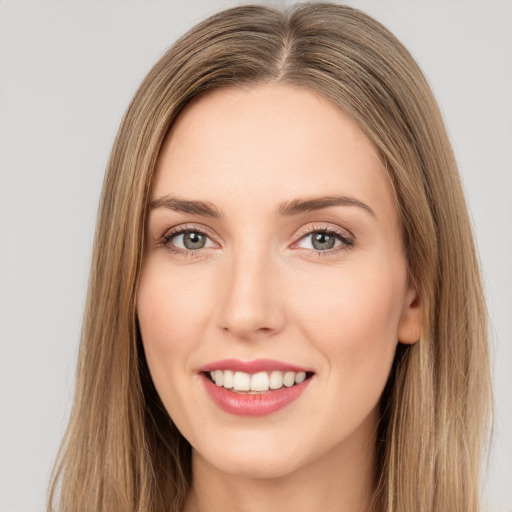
121,451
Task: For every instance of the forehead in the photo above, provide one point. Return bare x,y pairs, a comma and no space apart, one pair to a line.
266,144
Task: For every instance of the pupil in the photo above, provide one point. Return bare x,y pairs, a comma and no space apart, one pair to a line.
323,241
193,240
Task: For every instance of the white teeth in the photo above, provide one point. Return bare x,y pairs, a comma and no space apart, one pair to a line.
298,378
276,380
289,379
241,381
227,380
261,381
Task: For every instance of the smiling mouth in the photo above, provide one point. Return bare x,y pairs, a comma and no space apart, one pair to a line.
256,383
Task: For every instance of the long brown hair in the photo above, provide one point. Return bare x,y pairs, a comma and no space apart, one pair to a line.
121,451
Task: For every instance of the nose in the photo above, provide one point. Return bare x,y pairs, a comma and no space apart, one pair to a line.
252,306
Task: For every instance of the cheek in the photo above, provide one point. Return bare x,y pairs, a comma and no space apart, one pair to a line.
354,305
171,317
352,320
166,312
170,310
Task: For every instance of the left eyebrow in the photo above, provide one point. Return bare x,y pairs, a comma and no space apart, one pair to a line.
286,209
298,206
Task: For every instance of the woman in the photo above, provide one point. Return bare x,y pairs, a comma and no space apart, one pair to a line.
285,307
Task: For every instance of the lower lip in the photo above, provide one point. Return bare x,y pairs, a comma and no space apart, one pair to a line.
257,404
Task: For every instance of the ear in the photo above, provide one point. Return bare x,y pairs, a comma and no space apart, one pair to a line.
411,319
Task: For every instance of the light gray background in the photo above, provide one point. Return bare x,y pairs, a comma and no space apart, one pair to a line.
68,71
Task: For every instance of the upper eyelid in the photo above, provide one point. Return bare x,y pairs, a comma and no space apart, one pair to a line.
183,228
329,228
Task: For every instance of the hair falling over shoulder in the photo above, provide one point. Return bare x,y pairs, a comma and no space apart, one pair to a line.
121,451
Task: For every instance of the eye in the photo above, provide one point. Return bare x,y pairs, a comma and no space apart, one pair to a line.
186,240
324,239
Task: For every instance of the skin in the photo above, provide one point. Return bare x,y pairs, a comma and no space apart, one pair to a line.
260,289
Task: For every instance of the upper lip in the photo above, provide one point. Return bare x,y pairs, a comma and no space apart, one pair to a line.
254,366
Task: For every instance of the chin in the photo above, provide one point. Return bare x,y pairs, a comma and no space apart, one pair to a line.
252,467
252,459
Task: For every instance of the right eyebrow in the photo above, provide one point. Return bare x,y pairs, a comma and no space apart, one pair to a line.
182,205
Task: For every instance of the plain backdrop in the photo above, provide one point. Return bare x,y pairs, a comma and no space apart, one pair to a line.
67,72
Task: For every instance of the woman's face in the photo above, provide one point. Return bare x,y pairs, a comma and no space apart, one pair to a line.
273,255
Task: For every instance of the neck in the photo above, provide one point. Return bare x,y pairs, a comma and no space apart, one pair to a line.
342,480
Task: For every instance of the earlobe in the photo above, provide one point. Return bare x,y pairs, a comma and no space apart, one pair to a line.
411,320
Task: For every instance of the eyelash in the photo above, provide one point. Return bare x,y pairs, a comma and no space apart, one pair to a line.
346,241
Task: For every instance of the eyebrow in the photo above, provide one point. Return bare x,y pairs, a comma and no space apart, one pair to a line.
177,204
298,206
286,209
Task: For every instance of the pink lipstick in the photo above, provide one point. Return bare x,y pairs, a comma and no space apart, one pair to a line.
254,388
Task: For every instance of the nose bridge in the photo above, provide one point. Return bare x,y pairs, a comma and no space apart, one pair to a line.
250,303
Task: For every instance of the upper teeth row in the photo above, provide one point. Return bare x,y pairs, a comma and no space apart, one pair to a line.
262,381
